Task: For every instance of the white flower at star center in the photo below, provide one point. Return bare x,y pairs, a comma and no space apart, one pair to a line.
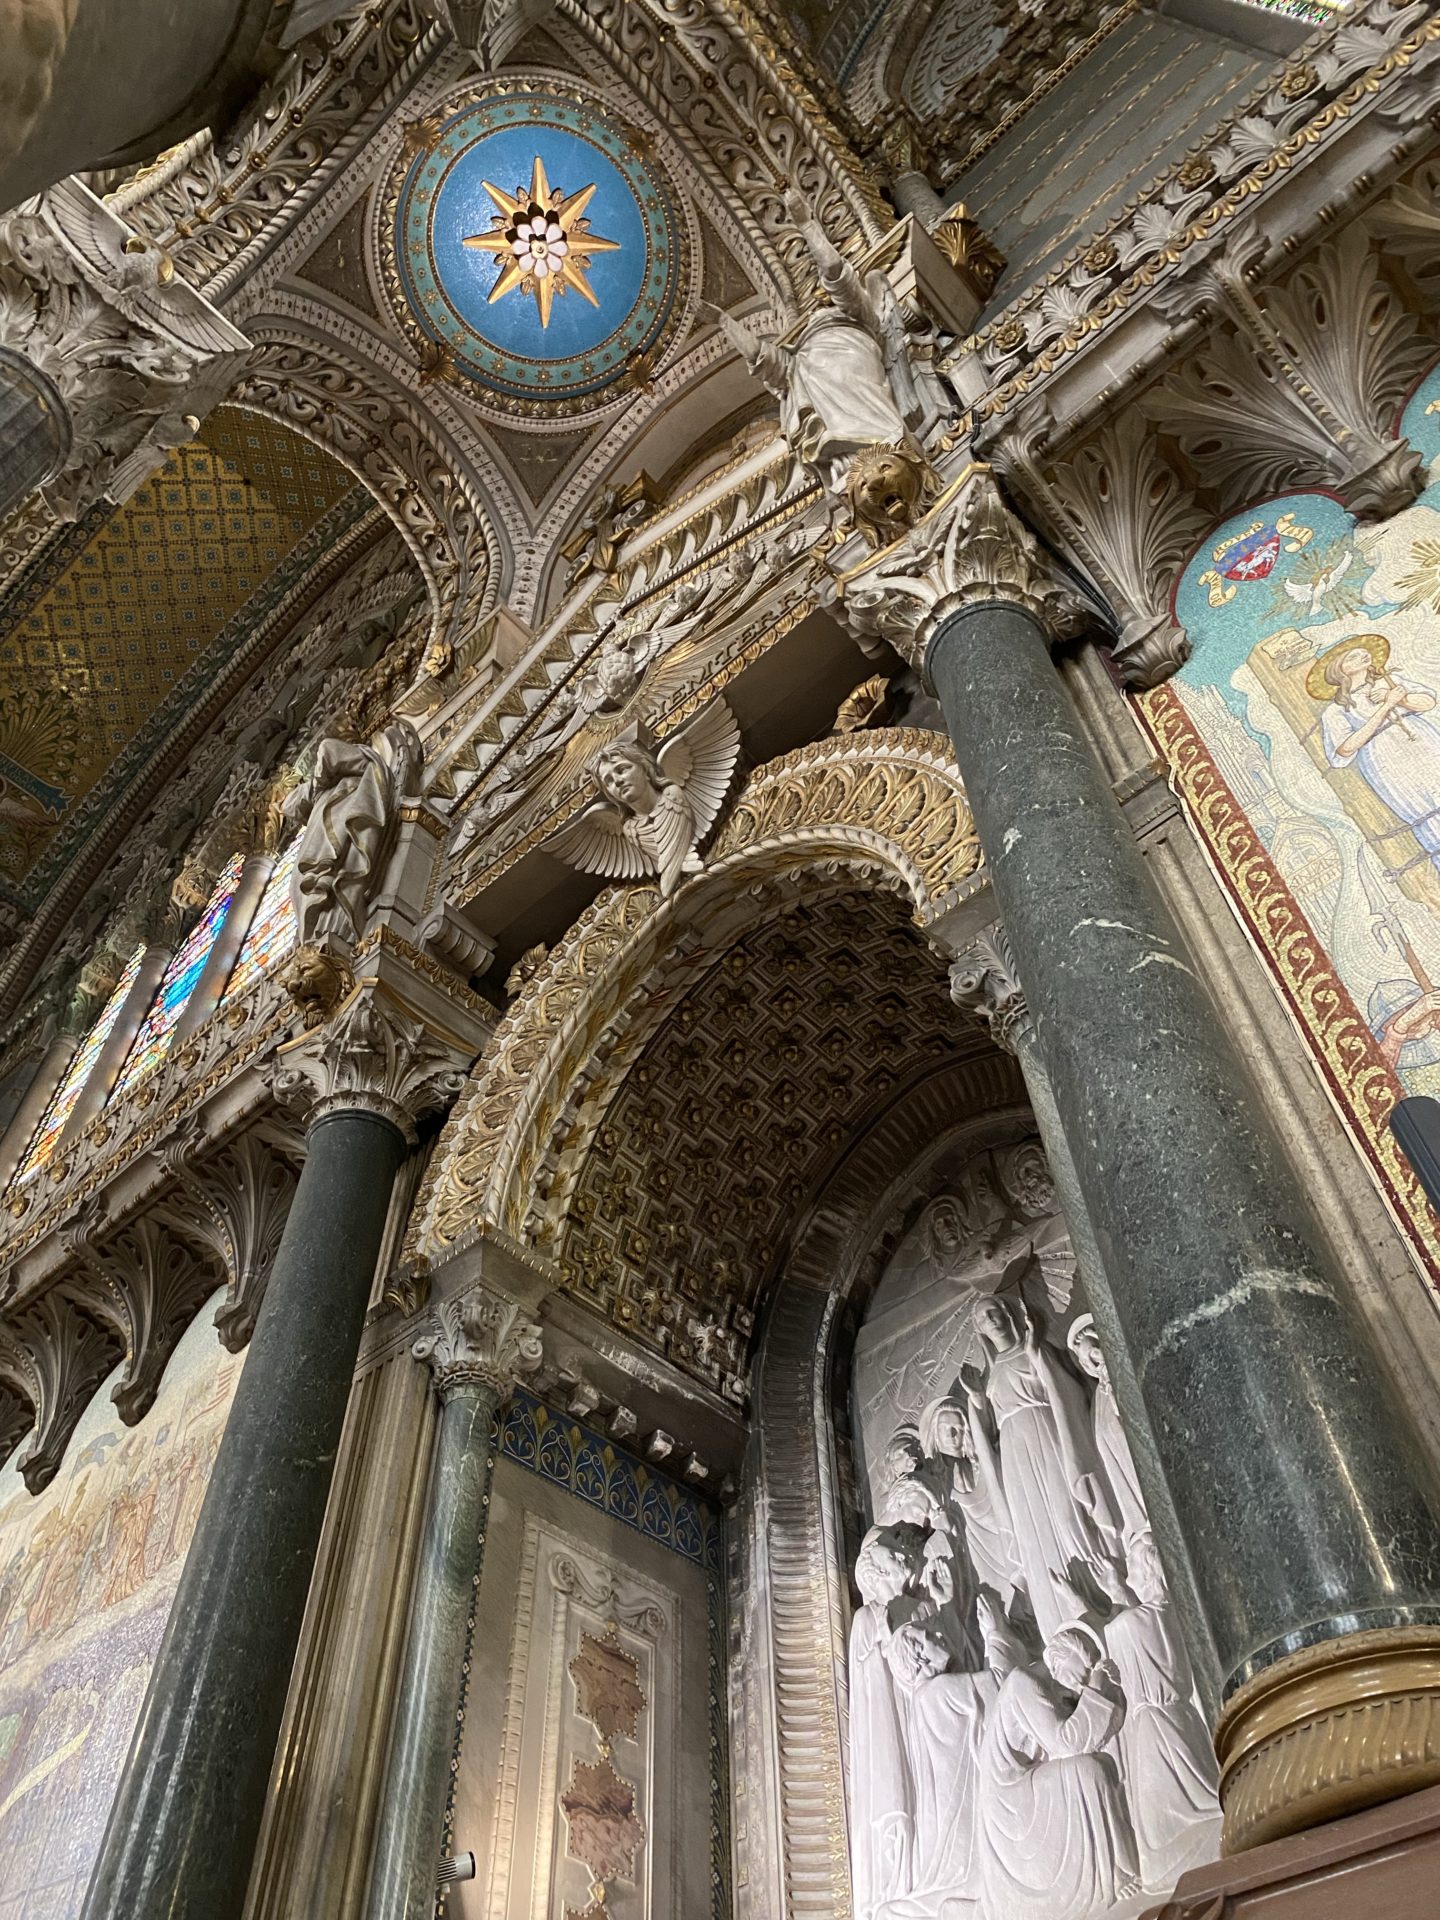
539,245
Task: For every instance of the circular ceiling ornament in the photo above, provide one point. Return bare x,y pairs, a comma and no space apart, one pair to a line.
535,249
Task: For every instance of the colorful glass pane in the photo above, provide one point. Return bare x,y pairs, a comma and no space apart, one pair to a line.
272,931
62,1101
153,1040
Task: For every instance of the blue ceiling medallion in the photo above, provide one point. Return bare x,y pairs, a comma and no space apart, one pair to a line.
535,249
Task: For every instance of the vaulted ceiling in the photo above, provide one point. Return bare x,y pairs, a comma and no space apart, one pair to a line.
134,616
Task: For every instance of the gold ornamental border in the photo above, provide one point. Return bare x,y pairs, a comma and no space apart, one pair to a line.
1363,1086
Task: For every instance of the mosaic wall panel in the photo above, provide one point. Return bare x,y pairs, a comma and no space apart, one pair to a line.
1305,736
87,1574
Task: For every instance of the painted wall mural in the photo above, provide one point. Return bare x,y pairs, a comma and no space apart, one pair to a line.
1305,734
87,1574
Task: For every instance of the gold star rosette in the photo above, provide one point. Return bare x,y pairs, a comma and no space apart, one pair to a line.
543,241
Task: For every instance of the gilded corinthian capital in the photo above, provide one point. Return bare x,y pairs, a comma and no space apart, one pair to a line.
968,550
480,1340
371,1056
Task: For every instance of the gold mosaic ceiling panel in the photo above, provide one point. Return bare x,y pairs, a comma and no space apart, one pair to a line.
127,621
725,1123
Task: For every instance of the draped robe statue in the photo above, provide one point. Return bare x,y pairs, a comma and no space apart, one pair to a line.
1054,1485
1055,1840
1110,1441
1166,1757
351,804
882,1809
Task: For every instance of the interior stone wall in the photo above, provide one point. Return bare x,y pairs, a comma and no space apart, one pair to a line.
591,1767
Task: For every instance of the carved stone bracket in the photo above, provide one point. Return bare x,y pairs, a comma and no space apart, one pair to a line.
481,1340
969,549
137,356
372,1056
984,984
145,1285
236,1208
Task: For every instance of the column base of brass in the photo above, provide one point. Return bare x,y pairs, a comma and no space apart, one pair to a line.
1328,1731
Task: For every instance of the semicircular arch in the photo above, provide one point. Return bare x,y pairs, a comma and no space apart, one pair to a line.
886,807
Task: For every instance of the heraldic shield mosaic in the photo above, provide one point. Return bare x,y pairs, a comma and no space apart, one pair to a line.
1305,734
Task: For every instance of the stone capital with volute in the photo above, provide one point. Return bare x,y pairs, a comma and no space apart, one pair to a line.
968,550
373,1055
480,1340
984,984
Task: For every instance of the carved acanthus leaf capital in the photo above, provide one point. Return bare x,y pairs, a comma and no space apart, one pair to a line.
480,1340
969,550
984,985
371,1056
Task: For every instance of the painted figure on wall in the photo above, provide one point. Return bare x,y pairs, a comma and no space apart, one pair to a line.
1380,726
1308,717
87,1573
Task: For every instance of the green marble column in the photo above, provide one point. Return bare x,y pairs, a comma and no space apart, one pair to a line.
481,1342
183,1826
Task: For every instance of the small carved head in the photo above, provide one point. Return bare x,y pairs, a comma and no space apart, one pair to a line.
887,489
887,1559
997,1323
315,981
1084,1344
904,1455
1071,1656
1026,1176
1144,1572
945,1429
630,776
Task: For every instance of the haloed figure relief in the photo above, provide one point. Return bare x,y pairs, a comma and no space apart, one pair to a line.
1025,1743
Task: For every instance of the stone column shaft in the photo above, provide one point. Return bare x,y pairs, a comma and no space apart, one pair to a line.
1308,1507
481,1341
183,1825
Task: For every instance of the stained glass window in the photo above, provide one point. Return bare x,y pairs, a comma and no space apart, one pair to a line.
153,1040
272,931
62,1101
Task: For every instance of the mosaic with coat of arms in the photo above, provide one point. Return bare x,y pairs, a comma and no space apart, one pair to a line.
1305,730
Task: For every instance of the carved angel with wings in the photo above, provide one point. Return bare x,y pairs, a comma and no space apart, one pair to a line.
658,804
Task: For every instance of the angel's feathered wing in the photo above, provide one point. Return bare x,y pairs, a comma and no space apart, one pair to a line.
601,841
701,758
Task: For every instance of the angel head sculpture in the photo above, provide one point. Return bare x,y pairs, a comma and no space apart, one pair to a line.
657,804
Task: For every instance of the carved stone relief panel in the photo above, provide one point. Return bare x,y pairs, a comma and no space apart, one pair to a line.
580,1785
1025,1742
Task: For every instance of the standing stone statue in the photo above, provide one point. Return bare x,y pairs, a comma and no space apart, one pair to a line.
882,1802
351,807
1110,1442
954,1437
1054,1485
1166,1759
844,383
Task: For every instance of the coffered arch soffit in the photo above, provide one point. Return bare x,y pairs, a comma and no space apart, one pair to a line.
882,808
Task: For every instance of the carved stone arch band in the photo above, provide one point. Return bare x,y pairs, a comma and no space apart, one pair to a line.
887,804
381,437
